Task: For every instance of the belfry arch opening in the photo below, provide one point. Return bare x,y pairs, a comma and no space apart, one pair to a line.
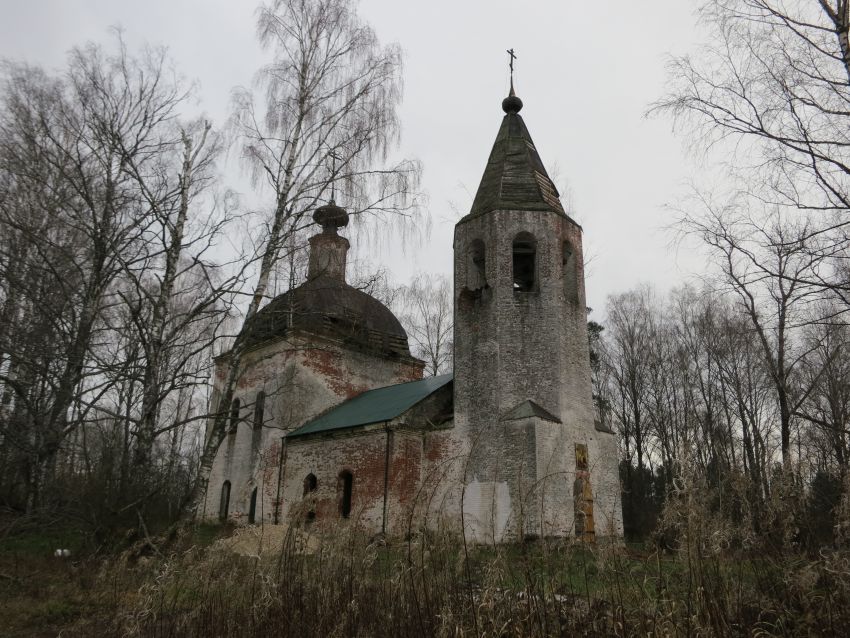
524,263
476,268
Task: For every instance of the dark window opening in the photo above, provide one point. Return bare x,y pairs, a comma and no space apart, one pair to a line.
567,253
224,505
347,480
569,273
524,262
234,415
310,485
252,508
477,266
259,409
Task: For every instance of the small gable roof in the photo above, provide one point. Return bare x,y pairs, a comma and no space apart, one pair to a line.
373,406
527,409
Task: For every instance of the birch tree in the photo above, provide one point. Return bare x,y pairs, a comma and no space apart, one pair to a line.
322,122
95,169
427,314
770,94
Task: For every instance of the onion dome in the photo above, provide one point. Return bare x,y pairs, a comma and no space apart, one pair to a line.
331,217
328,307
512,104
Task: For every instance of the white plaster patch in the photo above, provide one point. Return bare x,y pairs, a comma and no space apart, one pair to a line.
486,510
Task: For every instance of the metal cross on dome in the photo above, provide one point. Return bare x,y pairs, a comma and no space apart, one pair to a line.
512,55
334,157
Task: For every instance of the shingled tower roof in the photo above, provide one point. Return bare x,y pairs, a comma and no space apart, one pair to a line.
515,178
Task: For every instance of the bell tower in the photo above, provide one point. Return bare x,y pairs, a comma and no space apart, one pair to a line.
538,464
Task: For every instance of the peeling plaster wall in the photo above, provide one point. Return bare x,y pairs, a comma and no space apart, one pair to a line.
302,376
402,478
362,454
513,346
497,479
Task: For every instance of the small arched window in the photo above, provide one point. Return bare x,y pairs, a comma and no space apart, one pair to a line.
224,505
346,479
234,415
259,409
476,268
525,262
310,484
568,269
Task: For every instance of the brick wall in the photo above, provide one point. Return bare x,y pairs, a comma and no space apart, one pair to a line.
511,346
302,376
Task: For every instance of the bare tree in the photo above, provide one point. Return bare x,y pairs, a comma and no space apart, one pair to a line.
629,338
776,80
60,136
770,93
827,371
766,269
427,312
97,177
167,192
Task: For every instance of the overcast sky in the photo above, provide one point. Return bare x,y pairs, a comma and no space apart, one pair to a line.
586,71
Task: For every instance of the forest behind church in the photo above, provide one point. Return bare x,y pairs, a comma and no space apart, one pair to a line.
127,262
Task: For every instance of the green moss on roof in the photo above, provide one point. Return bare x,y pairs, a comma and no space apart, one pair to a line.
373,406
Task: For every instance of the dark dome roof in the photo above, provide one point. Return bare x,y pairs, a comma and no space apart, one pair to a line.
330,307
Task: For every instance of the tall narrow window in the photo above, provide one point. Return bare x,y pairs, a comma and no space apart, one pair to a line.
259,409
310,485
224,505
477,267
525,262
252,508
347,481
234,415
569,273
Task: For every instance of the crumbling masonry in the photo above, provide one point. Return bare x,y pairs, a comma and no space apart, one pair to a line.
333,422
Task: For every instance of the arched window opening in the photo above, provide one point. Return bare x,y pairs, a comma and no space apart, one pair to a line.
476,269
310,485
224,505
347,480
259,409
234,415
252,507
525,262
568,262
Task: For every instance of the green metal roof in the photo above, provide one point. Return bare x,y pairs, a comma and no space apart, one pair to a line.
373,406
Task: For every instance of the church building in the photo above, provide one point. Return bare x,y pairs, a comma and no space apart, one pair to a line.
333,423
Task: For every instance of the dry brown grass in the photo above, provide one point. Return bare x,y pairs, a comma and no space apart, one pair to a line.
714,578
